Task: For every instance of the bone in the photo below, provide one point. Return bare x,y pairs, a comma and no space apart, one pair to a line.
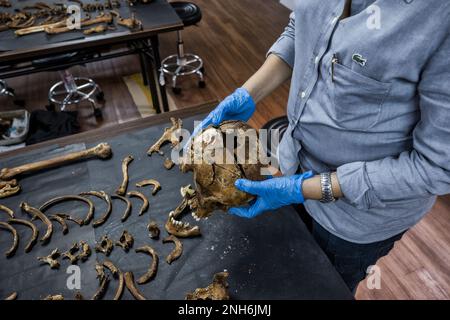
102,18
126,241
102,151
123,187
105,197
218,290
145,202
55,297
104,281
105,245
12,296
8,188
168,164
70,218
33,228
78,296
177,251
51,259
131,286
37,214
61,199
168,136
151,273
111,267
13,248
71,253
40,28
120,287
61,221
116,274
131,23
7,210
128,209
85,251
153,229
150,182
97,29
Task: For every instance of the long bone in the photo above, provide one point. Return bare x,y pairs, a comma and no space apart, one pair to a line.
40,28
103,151
102,18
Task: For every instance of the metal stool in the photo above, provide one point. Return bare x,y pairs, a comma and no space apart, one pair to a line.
183,64
72,90
5,90
281,124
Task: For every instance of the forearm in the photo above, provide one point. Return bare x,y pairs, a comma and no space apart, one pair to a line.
312,189
270,76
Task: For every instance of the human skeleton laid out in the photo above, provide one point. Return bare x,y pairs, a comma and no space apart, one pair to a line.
214,189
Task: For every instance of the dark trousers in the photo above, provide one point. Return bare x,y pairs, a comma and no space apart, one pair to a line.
351,260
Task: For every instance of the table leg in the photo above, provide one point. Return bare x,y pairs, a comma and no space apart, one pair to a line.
150,77
154,40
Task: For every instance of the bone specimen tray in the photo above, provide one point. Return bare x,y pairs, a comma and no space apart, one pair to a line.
9,41
271,257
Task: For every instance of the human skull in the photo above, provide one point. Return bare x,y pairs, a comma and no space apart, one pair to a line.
218,156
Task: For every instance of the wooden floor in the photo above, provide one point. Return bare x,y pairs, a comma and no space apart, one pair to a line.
233,38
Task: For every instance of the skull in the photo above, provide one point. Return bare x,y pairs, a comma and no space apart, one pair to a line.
218,156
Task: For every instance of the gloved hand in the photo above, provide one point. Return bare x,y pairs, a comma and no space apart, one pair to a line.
237,106
271,194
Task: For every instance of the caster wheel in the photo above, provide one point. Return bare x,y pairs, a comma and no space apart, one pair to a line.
202,70
176,90
100,96
51,107
98,114
202,84
19,103
10,90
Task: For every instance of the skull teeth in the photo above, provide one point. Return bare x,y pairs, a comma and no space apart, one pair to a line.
194,215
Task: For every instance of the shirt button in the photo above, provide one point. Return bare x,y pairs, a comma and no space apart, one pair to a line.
303,94
316,60
334,20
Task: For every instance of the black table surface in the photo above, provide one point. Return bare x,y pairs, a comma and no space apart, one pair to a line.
157,17
270,257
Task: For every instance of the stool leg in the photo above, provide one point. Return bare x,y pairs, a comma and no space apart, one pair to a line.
180,46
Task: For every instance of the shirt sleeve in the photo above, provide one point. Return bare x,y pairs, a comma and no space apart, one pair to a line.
421,172
284,47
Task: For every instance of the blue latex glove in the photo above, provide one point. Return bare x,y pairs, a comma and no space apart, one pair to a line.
271,194
237,106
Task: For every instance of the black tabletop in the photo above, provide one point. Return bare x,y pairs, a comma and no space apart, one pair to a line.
157,16
270,257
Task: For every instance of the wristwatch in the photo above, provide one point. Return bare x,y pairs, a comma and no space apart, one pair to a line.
327,190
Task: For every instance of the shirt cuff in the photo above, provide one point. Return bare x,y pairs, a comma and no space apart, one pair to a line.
284,48
356,186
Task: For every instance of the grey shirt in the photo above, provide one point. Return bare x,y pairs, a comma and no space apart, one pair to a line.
378,114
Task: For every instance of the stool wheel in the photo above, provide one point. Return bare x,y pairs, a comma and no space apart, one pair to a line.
100,96
98,114
50,107
19,103
202,84
202,70
176,90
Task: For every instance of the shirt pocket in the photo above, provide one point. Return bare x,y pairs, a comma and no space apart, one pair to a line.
357,99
